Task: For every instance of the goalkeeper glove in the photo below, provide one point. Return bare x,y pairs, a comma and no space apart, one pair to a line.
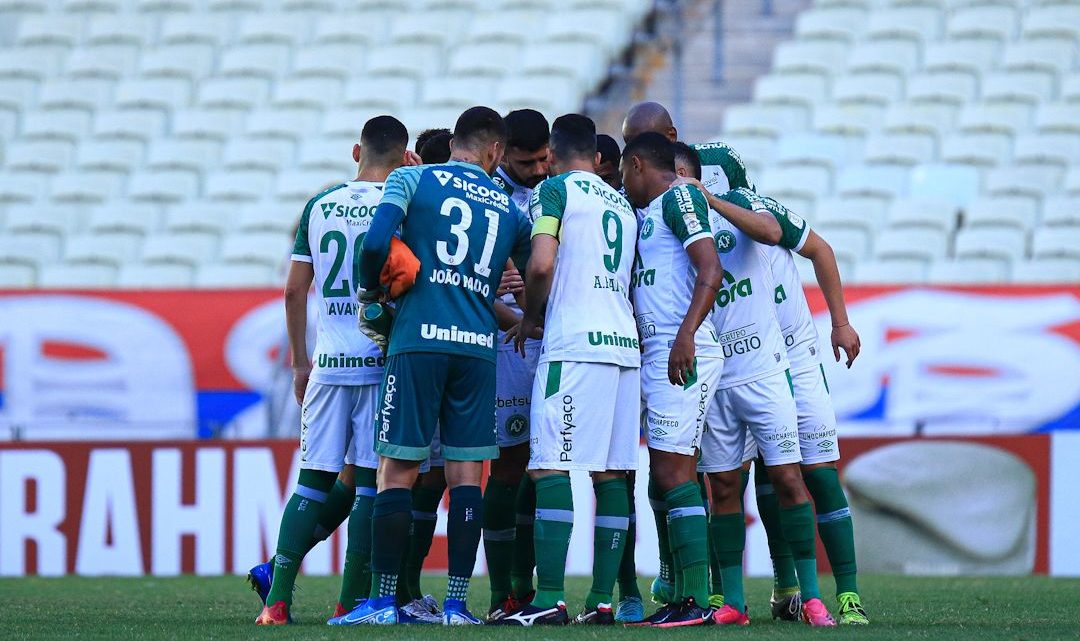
376,318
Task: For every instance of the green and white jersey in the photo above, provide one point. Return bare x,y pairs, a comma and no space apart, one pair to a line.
663,280
589,317
792,310
331,231
722,169
745,314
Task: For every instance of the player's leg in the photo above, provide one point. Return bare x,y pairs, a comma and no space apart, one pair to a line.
721,459
407,414
324,431
467,441
513,388
521,573
362,463
820,452
768,408
630,608
785,601
427,494
675,423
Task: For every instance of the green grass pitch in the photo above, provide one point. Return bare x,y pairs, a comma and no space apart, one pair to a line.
949,609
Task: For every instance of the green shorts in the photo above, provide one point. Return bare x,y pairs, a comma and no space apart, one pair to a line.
425,390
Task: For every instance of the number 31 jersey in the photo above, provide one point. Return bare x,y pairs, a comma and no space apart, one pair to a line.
589,316
462,227
331,231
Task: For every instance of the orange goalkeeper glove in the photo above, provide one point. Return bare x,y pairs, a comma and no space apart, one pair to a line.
400,270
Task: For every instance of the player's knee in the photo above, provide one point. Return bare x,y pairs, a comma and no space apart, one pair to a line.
788,483
726,491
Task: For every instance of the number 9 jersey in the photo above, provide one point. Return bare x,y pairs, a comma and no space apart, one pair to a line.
462,227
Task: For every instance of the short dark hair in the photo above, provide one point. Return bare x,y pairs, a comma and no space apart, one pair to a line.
480,125
654,149
528,129
427,135
383,136
574,136
608,148
688,155
437,148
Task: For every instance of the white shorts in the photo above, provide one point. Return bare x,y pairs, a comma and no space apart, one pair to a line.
585,417
435,458
817,419
337,426
513,393
675,415
764,409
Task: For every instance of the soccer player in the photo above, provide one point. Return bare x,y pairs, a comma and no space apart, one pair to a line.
509,496
816,418
338,387
440,369
587,389
608,166
436,148
756,397
676,277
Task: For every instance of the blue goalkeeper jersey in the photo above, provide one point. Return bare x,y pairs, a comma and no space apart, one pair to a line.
462,228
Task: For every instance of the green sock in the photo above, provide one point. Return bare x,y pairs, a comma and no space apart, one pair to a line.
728,535
554,524
628,585
609,539
834,525
798,524
499,533
297,528
768,505
356,577
425,509
688,532
335,510
659,510
521,574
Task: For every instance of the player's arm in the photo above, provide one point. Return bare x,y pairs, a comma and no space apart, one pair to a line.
297,286
688,218
827,274
546,207
763,229
400,186
505,317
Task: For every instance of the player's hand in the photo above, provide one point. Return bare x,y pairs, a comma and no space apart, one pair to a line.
412,159
511,282
521,332
680,366
689,180
845,338
300,373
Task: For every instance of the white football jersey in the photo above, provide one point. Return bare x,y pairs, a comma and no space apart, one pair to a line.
745,314
331,231
663,280
589,317
520,195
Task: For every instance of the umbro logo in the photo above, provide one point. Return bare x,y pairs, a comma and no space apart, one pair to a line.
443,176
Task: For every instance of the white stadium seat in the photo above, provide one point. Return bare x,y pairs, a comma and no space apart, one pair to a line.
258,153
987,22
338,61
1058,117
798,181
1056,21
105,61
827,150
254,61
812,57
307,93
85,187
282,124
1061,211
913,243
387,92
17,276
922,212
211,124
101,249
235,275
831,23
864,214
985,149
1056,242
45,156
189,62
198,217
131,30
163,186
88,94
166,94
1001,211
870,87
237,185
913,23
850,245
57,124
1007,118
890,272
484,59
967,271
900,148
65,31
191,249
116,155
933,119
958,184
181,28
55,221
129,124
949,87
233,93
281,216
1002,243
142,276
848,120
124,217
1052,56
1046,271
77,276
288,29
881,181
270,249
32,250
769,119
413,60
185,154
1021,86
968,56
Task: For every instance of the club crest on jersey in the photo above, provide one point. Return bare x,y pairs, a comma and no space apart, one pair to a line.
443,176
647,228
516,425
725,241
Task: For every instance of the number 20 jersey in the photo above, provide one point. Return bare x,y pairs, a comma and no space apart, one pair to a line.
589,316
331,231
462,227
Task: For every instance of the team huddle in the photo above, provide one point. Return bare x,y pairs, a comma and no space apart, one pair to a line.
537,298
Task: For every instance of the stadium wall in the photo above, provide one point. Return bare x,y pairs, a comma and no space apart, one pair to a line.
946,506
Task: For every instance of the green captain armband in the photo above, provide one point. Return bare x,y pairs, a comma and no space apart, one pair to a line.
549,225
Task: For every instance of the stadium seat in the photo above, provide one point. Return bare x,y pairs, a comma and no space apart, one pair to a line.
848,120
922,212
1070,88
237,185
102,249
831,23
17,276
282,28
969,56
967,271
193,155
1026,87
484,59
880,181
327,154
849,244
32,65
1061,211
1057,118
269,249
189,62
453,92
94,6
983,149
987,22
933,119
875,88
130,124
548,94
257,154
22,188
198,217
948,87
76,276
766,119
307,93
281,215
900,149
32,250
45,220
417,119
181,28
66,124
1001,243
346,123
864,214
511,26
233,93
17,94
810,57
897,57
754,150
131,30
798,181
282,124
912,243
332,29
142,276
958,184
124,217
1061,149
1050,56
890,272
106,61
1055,21
51,30
1001,211
579,61
1035,181
235,275
827,150
254,61
206,124
386,92
433,28
166,94
44,156
411,60
1006,118
191,249
85,187
88,94
1056,242
600,26
163,186
910,23
1072,181
338,61
1039,271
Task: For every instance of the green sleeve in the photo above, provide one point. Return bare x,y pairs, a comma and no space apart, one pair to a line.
301,250
686,213
547,205
793,228
720,154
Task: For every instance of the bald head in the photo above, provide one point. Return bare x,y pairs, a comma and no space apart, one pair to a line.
648,116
